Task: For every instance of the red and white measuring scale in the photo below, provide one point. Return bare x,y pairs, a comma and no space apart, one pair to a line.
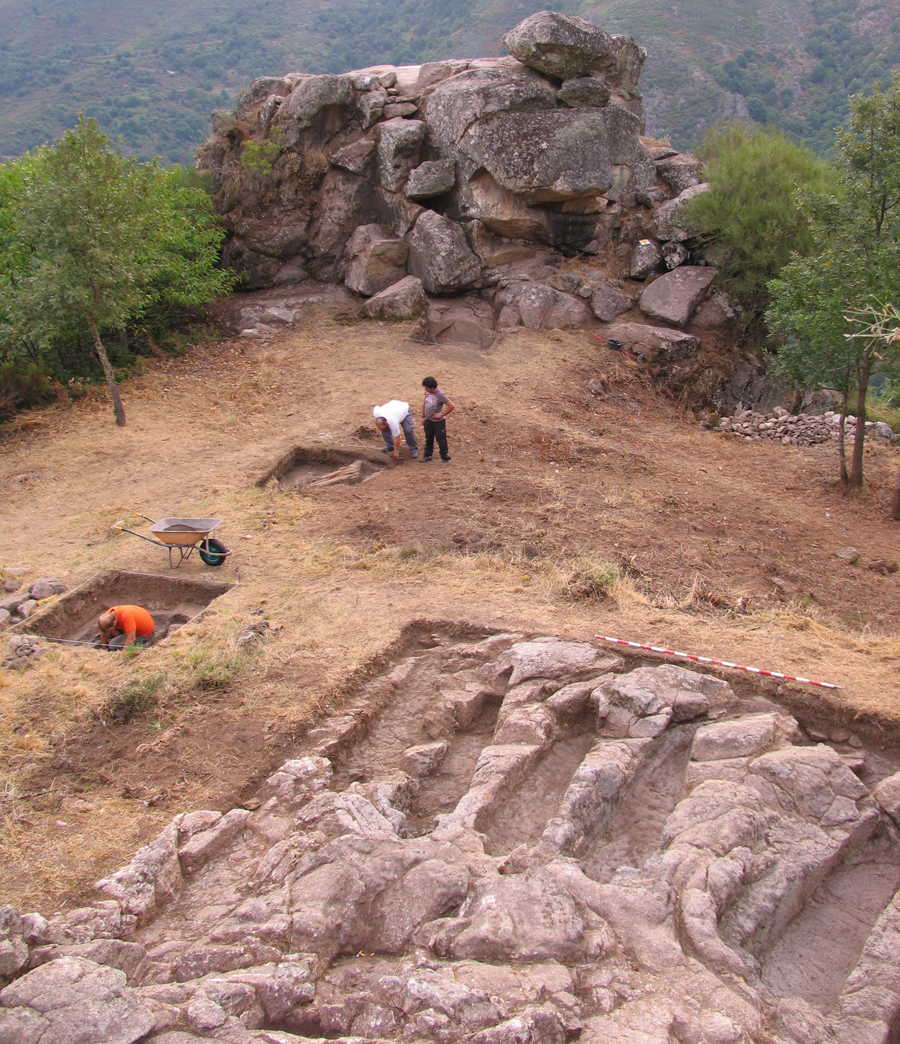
715,663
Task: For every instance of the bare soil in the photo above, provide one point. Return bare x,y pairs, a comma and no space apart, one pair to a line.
722,548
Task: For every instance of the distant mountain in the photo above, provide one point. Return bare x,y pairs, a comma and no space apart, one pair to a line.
151,71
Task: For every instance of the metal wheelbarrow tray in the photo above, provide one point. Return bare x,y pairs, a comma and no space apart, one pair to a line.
183,535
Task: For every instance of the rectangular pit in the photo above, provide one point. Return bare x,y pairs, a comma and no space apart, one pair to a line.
323,466
171,601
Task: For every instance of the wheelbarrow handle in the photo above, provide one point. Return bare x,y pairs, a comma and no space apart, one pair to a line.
152,521
150,540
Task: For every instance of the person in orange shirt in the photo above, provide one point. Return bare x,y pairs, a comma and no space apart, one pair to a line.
125,625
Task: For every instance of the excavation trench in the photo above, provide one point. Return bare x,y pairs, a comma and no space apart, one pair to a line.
171,601
321,467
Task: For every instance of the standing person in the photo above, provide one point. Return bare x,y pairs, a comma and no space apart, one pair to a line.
435,410
389,419
125,625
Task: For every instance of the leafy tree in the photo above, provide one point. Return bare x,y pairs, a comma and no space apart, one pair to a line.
878,324
750,210
854,263
96,239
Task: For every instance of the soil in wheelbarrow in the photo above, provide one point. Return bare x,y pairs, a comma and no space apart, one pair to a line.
171,601
322,467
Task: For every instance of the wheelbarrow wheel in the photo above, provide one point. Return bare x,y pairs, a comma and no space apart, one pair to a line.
213,551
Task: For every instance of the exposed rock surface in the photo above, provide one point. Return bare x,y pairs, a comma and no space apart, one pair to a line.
501,840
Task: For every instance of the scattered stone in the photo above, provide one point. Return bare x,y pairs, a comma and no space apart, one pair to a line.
674,254
680,172
354,157
403,300
45,587
848,554
884,566
671,219
653,343
397,154
467,320
26,608
674,296
22,650
644,258
424,760
12,585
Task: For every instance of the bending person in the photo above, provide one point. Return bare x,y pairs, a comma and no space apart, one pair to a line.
125,625
391,419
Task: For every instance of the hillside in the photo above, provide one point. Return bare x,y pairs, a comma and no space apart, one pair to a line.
151,73
725,548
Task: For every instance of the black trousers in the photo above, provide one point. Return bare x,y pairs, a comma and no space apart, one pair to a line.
436,430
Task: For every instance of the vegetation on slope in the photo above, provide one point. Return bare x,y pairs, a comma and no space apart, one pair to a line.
151,73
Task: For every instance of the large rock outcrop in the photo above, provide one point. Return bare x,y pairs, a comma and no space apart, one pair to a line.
476,176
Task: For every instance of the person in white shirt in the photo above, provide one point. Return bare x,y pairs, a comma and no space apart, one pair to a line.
389,420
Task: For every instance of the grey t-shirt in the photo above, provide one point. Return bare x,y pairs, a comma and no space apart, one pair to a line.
434,400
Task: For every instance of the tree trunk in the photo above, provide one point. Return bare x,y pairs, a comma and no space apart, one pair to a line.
108,370
895,503
859,442
842,452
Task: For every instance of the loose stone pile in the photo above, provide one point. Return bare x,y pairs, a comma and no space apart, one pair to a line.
803,429
503,841
21,605
22,650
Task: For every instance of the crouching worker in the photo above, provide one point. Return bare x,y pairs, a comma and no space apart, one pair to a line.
391,419
125,625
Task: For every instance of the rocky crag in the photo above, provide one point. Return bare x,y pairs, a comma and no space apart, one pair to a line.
502,840
478,195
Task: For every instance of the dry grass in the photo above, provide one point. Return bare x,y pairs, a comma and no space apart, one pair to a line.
674,528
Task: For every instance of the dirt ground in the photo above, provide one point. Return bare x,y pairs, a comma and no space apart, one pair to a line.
562,512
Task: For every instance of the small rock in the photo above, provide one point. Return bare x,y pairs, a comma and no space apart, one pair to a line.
11,585
45,587
27,608
424,760
848,554
883,566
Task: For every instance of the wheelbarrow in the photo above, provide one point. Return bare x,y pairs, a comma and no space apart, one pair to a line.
183,535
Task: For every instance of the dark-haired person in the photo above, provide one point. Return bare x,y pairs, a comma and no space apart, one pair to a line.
125,625
435,410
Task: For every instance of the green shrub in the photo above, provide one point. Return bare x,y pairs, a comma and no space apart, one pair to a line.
751,209
133,697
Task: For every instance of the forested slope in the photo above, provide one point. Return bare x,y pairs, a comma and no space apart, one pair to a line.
152,71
